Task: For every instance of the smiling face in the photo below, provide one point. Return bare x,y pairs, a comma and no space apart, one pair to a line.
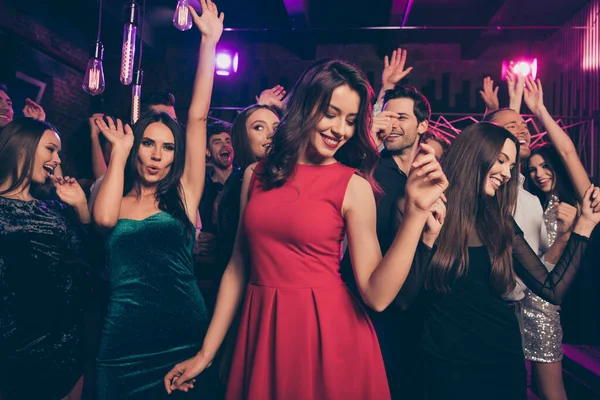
6,109
515,124
156,153
335,128
405,129
541,174
220,151
500,172
46,156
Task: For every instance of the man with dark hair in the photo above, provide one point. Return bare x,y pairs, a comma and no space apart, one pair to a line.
159,102
6,108
398,327
220,154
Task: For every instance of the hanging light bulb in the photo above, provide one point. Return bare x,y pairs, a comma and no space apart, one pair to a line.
129,37
182,18
136,96
93,81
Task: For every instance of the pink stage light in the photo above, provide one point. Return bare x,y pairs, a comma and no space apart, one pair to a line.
226,63
522,67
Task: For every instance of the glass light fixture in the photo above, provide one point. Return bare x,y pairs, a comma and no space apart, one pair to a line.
182,19
93,80
129,37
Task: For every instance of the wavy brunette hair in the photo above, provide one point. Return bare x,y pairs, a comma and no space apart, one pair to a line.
307,104
169,192
467,164
19,141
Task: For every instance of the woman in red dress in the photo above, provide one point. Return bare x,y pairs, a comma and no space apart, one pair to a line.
302,334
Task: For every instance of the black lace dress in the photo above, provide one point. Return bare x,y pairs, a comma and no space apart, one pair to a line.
41,245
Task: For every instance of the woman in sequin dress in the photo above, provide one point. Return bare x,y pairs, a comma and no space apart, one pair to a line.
41,245
558,178
542,330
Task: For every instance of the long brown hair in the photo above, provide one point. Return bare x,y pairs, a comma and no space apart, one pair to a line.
313,92
466,164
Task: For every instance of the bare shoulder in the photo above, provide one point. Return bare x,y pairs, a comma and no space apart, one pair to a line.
359,193
248,172
359,185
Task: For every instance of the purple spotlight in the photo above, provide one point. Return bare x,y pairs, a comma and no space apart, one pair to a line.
236,60
226,63
223,61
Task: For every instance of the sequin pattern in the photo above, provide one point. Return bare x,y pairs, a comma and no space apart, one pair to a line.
542,332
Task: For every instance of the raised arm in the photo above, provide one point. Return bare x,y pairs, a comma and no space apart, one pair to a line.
515,84
228,300
210,25
489,95
393,73
534,98
379,280
98,161
552,286
107,206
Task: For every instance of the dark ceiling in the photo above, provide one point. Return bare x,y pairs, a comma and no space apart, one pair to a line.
300,25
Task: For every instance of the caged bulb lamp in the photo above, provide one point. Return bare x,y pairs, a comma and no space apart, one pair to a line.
93,80
136,96
182,19
129,38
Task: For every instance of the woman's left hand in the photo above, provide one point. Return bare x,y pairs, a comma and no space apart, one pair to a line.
33,110
210,23
426,181
69,191
590,208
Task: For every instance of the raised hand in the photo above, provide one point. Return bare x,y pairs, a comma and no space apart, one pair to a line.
426,181
210,23
393,69
566,215
515,85
272,97
590,207
534,95
181,376
69,191
33,110
94,130
382,126
489,94
120,137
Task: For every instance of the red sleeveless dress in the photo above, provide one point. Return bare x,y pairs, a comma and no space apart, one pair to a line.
302,334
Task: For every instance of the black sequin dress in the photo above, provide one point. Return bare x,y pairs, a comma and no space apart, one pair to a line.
41,248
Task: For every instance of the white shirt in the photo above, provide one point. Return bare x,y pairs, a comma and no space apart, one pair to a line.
529,215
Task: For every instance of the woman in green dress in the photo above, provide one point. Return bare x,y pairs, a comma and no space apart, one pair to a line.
147,205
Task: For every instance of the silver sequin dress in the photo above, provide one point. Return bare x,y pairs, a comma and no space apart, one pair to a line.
542,332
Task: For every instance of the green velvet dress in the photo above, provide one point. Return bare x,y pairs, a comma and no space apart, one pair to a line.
156,315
